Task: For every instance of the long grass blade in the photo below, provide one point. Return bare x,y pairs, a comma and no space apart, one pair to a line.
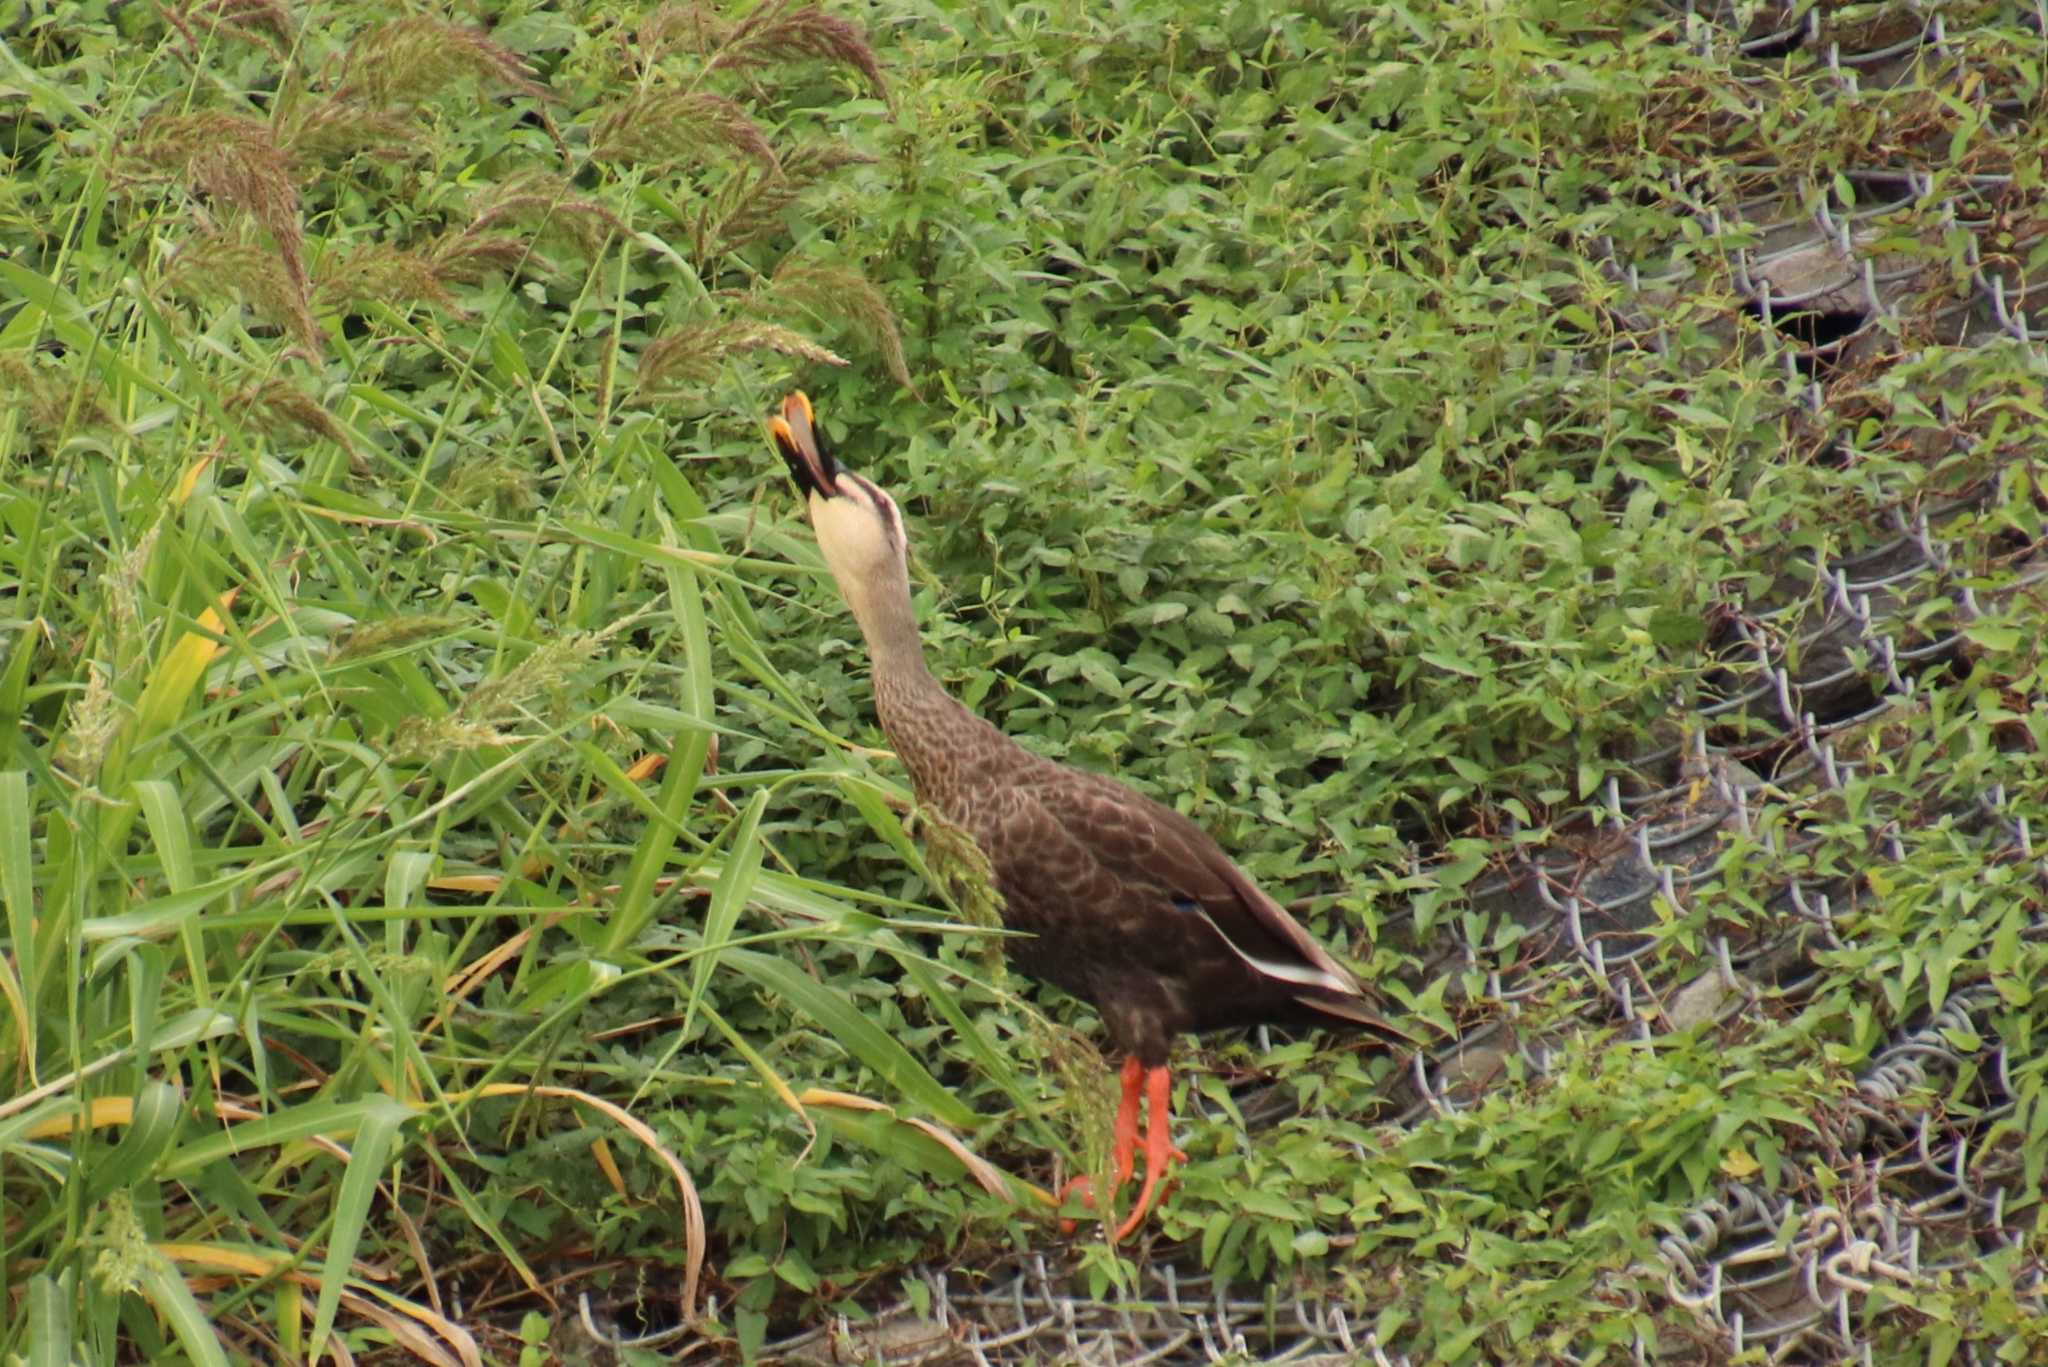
162,1286
679,780
171,683
375,1135
860,1036
163,810
729,896
17,893
336,1121
154,1118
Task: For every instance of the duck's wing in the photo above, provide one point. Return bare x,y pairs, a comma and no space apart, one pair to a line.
1152,861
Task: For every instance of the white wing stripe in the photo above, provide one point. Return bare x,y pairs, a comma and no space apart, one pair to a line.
1301,975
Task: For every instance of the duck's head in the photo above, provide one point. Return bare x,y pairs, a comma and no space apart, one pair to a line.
859,528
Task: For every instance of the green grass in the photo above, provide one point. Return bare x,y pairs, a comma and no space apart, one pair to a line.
441,843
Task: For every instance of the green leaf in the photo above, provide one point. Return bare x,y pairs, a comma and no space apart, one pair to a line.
334,1120
17,888
1453,663
685,768
1679,629
1994,636
794,1269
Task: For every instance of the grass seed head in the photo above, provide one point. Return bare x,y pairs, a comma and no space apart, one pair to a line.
232,161
126,1253
334,128
278,404
781,32
694,354
94,722
410,60
844,296
216,263
664,127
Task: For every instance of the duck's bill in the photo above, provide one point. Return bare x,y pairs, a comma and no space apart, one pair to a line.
797,438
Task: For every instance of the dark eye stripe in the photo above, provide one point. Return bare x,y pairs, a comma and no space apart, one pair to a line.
882,502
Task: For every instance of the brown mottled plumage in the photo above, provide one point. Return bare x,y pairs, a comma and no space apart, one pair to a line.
1131,906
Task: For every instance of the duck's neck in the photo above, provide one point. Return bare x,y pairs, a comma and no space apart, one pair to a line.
890,625
942,744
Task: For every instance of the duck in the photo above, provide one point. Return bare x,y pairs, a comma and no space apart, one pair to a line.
1121,901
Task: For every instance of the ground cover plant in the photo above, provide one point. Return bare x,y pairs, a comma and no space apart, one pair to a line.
446,862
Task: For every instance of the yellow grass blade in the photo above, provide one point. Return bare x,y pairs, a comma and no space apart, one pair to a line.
179,671
190,481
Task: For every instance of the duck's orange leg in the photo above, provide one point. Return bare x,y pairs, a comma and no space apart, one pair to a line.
1159,1150
1124,1141
1124,1148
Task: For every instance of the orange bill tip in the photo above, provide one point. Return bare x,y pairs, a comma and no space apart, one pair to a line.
798,420
802,449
